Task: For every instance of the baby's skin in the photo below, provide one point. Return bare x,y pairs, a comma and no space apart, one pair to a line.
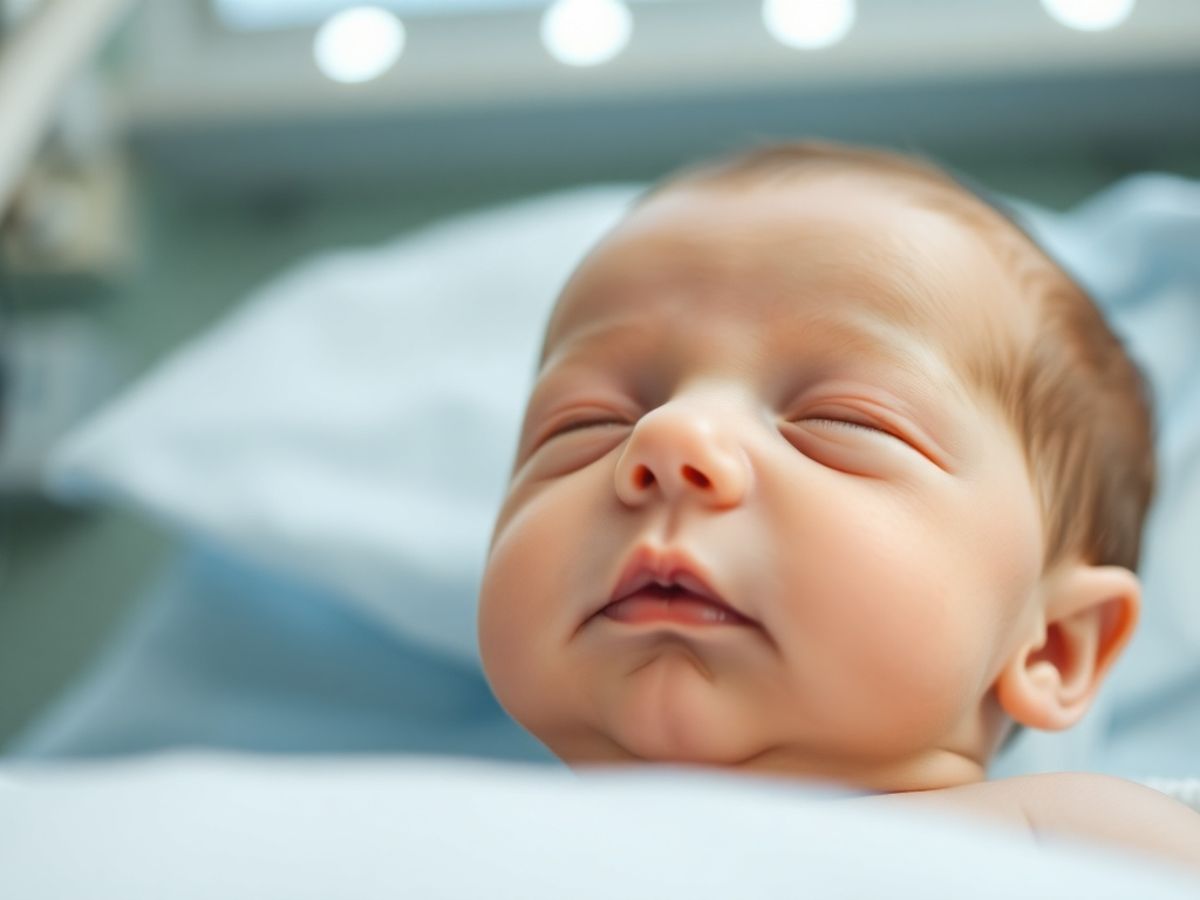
1072,805
761,517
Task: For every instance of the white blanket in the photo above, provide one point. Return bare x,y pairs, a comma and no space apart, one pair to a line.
233,826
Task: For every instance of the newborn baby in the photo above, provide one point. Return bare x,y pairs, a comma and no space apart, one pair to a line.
828,472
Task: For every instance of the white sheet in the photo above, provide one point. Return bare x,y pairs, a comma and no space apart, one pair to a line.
225,826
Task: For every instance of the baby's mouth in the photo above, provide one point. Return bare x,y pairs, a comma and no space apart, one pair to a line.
667,585
671,603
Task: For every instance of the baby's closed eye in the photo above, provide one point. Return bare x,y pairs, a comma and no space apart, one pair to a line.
851,424
579,424
853,443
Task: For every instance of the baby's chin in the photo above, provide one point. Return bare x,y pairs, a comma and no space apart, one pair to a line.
674,716
676,708
643,748
667,711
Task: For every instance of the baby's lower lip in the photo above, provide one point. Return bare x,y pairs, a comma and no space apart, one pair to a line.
649,606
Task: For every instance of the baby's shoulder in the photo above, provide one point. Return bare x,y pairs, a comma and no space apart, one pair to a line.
1073,805
1078,796
1106,809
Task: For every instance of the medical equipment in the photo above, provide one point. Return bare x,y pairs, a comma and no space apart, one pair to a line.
35,65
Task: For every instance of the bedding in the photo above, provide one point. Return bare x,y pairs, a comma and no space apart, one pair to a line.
221,654
205,826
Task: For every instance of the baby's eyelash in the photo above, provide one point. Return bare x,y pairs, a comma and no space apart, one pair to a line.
845,423
581,424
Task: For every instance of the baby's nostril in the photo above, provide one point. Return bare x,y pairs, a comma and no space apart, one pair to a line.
696,477
643,477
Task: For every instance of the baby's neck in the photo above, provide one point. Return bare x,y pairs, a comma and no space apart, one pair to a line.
931,769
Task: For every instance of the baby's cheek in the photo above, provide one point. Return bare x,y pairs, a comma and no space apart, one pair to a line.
509,634
893,617
1000,537
536,590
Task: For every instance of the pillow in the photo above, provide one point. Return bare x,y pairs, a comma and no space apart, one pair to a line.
218,654
353,423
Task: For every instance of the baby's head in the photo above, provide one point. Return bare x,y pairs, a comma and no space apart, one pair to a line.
828,471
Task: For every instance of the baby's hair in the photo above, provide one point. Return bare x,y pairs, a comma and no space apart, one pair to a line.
1077,401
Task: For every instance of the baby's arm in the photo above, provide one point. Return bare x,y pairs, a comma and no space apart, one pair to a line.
1095,807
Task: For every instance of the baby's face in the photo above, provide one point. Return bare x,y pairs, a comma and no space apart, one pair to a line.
757,397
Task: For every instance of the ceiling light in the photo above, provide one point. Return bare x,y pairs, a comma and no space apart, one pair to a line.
358,44
586,32
808,24
1089,15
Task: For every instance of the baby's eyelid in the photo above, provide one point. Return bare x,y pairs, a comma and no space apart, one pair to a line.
856,422
586,423
580,422
846,422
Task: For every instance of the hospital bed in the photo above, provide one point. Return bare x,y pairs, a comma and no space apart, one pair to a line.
296,703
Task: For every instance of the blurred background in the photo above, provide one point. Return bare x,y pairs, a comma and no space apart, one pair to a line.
159,160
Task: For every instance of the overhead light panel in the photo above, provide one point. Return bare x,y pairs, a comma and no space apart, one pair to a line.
1089,15
358,44
808,24
586,32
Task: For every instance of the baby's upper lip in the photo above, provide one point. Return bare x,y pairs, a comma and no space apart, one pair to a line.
648,565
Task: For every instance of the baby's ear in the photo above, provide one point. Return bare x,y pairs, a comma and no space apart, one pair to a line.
1088,616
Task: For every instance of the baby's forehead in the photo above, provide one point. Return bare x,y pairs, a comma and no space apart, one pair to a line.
821,248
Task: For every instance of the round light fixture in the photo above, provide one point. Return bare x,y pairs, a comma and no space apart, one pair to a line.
1089,15
586,32
358,44
808,24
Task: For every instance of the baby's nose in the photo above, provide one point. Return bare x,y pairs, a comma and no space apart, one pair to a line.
682,450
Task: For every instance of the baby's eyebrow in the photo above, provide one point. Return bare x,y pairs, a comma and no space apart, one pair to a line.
822,346
579,343
886,342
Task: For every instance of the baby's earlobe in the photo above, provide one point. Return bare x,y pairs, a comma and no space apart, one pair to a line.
1089,615
1029,692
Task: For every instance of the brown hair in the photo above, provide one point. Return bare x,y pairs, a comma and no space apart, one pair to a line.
1075,398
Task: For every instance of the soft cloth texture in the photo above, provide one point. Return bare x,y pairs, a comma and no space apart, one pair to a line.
219,654
353,426
206,827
